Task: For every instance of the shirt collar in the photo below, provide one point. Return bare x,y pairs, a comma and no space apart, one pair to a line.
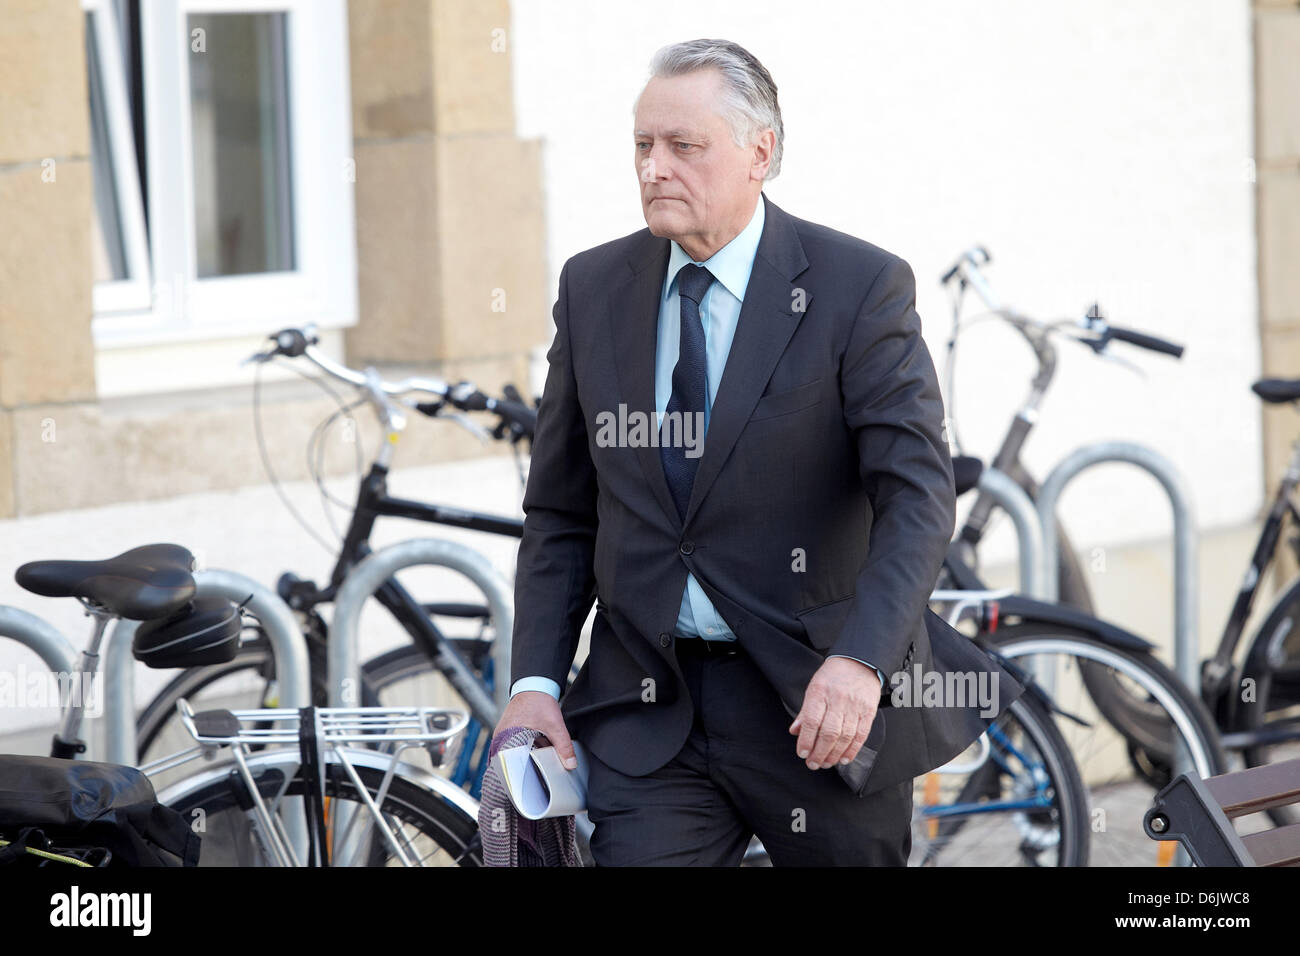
732,264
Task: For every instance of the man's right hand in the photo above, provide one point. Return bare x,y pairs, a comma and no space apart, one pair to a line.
538,710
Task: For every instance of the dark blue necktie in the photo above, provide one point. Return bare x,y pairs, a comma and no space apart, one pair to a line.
690,391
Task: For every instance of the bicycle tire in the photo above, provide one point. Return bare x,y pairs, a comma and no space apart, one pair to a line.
1196,728
1139,721
1066,784
1272,662
449,828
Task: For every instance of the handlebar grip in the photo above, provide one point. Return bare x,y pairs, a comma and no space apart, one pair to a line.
516,413
467,398
1142,340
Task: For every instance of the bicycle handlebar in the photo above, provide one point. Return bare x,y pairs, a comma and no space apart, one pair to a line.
967,267
295,343
469,399
967,270
1142,340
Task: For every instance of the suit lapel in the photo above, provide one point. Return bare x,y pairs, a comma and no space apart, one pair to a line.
633,311
766,323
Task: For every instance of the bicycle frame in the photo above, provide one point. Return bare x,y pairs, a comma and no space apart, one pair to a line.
1216,671
373,502
57,653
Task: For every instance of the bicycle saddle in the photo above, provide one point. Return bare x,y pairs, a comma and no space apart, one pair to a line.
142,584
966,471
1277,390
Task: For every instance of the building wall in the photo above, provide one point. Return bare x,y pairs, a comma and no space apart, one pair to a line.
1277,151
449,244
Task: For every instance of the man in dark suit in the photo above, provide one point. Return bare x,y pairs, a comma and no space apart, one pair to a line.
739,459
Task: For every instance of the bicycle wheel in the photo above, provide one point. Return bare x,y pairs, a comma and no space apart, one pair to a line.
1013,798
1269,693
430,829
1121,779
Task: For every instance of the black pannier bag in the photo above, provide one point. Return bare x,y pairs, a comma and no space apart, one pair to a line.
80,805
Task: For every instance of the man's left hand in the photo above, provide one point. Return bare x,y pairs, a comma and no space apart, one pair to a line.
838,708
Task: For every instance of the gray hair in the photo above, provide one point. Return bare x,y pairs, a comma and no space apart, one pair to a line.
749,103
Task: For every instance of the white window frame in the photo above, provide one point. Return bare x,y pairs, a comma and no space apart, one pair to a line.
322,288
130,294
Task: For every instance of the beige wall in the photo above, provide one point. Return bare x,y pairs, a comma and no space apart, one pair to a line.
45,354
449,202
450,245
1277,141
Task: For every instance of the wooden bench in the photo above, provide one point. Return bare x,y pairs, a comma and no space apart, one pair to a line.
1199,813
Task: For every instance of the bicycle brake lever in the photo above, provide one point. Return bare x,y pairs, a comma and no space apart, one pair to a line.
1098,342
1132,367
258,358
475,429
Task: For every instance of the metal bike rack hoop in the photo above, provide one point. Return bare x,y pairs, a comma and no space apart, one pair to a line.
370,575
39,636
1013,499
1186,649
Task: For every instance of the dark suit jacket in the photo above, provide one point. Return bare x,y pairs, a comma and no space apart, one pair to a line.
824,447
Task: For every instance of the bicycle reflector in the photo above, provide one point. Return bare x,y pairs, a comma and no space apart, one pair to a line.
990,616
447,750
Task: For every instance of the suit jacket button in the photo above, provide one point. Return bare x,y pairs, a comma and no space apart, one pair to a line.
686,547
665,640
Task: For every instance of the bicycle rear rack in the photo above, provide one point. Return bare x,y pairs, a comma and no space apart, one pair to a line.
337,732
336,725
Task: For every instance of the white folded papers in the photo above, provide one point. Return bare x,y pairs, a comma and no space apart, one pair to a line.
538,784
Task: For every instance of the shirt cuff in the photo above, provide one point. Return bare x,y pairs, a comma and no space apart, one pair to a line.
544,684
879,672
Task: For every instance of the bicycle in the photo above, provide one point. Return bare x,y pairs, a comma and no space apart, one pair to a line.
402,674
1262,721
1261,729
966,273
154,585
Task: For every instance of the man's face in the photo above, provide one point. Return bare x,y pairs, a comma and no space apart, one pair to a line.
697,186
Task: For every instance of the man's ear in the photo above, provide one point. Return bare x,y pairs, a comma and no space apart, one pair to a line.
763,150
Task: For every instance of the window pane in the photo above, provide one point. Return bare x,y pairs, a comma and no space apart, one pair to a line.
243,217
108,251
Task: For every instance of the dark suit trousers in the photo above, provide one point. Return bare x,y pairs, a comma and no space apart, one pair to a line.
738,775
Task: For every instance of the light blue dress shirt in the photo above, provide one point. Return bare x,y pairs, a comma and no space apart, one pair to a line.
719,312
